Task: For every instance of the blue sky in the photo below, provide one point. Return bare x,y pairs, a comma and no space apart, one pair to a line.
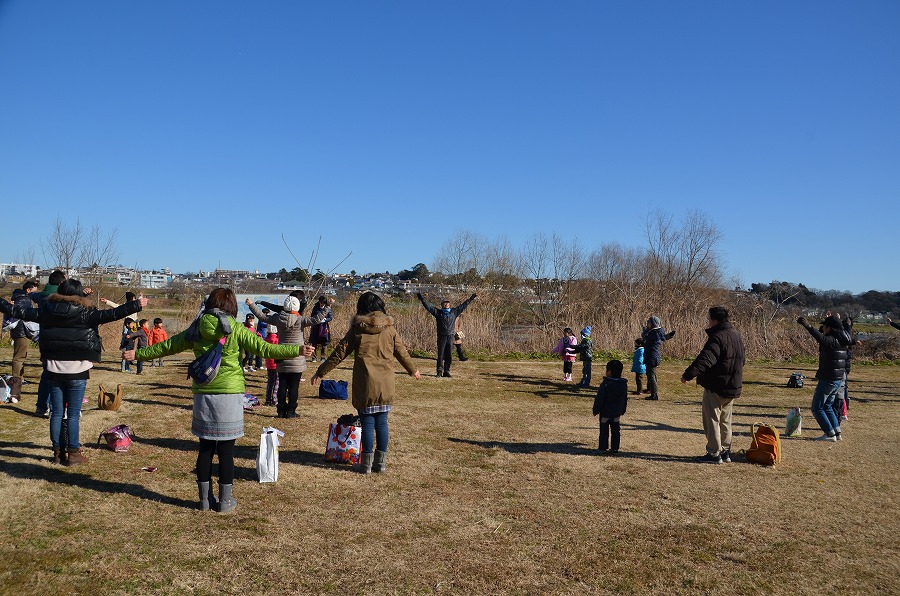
205,130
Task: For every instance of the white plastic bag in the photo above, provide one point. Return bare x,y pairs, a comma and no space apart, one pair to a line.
792,427
267,460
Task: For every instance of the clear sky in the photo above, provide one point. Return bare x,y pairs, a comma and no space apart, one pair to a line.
204,130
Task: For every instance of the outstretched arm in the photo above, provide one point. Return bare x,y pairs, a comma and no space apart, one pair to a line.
463,306
430,308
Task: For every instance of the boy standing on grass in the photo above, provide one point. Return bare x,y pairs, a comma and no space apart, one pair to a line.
586,347
610,404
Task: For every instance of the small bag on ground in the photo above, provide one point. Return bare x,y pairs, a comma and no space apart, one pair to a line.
796,380
267,459
344,441
118,438
329,389
793,424
110,401
765,446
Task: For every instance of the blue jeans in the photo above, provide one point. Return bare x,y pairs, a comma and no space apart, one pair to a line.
65,394
43,396
374,431
823,406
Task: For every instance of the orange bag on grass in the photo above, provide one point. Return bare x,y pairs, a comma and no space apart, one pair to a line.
765,445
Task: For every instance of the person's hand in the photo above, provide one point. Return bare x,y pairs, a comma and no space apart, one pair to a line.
87,291
104,301
889,320
308,350
248,302
673,333
128,355
315,380
683,380
143,301
827,313
802,321
417,375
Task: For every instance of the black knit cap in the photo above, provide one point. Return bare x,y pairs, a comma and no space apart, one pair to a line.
832,321
718,313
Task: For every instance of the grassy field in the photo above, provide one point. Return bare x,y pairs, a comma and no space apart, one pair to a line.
492,487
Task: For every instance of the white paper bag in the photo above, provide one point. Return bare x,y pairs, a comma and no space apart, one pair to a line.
267,460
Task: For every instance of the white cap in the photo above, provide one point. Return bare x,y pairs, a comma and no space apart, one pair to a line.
291,304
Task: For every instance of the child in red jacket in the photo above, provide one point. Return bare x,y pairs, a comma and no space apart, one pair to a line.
272,380
156,335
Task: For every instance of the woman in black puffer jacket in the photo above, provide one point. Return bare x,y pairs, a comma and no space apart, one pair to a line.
70,344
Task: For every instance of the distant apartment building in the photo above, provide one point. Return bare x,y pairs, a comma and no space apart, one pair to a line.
155,279
18,270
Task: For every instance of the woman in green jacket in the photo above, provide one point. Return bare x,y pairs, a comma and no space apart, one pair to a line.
218,418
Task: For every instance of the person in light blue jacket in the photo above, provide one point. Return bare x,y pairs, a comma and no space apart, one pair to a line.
638,367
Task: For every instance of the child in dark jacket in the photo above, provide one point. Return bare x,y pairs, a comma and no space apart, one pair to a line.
586,349
138,339
610,404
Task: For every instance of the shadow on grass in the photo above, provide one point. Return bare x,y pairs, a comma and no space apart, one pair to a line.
657,426
562,448
550,388
61,475
570,449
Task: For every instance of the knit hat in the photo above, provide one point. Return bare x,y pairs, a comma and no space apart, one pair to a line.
291,304
832,321
653,322
718,313
586,332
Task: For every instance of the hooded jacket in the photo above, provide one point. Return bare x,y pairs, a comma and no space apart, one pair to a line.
720,365
290,332
375,343
832,353
230,378
69,325
653,339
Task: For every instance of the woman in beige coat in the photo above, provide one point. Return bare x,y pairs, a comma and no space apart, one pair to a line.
375,342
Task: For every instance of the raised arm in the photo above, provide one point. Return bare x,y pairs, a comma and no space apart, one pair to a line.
463,306
98,317
430,308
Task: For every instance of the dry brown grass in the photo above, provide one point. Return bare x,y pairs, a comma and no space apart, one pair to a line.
492,487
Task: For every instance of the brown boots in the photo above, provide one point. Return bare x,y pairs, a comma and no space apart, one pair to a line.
59,456
75,457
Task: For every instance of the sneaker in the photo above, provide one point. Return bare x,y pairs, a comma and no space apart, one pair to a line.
651,398
839,437
709,459
826,438
614,452
602,451
447,375
844,418
725,456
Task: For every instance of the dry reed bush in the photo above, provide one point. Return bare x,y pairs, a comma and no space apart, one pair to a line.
492,487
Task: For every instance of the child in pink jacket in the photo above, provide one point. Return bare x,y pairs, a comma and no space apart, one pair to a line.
566,350
272,378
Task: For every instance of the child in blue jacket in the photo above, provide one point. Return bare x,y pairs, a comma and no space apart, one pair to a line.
638,367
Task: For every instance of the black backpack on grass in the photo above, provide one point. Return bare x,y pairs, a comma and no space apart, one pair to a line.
796,380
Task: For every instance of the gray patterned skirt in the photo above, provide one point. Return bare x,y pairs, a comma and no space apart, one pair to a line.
218,417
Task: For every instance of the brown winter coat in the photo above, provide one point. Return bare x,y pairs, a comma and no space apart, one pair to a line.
375,342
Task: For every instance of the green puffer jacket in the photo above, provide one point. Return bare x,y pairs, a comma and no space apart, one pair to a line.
230,378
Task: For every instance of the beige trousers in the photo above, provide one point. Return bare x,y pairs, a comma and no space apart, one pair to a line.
20,353
717,422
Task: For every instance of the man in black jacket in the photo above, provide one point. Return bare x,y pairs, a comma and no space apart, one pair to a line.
22,334
719,369
832,366
445,319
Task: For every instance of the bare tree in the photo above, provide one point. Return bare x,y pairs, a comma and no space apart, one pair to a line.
460,255
683,257
62,247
